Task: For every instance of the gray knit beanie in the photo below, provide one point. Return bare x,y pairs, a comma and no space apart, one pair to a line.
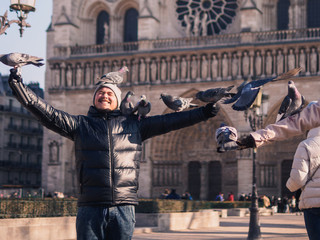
113,87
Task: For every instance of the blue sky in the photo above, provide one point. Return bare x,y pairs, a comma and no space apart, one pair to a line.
33,41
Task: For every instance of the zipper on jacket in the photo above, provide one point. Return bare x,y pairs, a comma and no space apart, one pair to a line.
111,156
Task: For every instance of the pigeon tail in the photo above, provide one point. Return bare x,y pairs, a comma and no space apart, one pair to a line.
192,105
229,88
38,64
291,73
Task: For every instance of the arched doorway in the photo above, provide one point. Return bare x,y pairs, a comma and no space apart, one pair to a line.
102,27
131,25
215,179
283,14
194,180
285,174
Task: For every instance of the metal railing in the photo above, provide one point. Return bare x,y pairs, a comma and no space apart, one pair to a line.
192,42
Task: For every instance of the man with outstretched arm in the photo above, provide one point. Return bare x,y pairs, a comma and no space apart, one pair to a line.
108,148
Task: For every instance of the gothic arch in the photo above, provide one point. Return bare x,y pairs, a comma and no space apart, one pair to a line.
91,8
124,5
119,14
88,12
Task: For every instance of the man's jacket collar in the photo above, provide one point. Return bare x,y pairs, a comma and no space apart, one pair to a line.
93,112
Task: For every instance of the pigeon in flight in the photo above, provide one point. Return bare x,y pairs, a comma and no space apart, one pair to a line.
114,77
226,138
177,104
126,105
292,103
143,107
17,60
213,95
248,92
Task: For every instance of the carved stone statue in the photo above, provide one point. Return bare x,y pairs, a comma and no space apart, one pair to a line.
225,66
173,69
234,65
183,68
97,74
163,70
280,63
142,71
196,24
313,61
204,24
153,69
69,76
106,33
188,25
204,67
302,60
134,71
214,67
269,64
258,64
245,64
78,80
56,77
87,79
194,67
291,60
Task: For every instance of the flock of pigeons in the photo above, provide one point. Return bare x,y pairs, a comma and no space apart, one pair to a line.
242,100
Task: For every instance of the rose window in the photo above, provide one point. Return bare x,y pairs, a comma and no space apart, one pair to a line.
205,17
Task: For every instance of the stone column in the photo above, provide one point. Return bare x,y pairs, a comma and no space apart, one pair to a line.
245,166
204,181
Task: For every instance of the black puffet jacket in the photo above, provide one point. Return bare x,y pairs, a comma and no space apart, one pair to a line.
107,145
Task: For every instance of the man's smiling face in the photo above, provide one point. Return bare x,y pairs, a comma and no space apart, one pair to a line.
105,99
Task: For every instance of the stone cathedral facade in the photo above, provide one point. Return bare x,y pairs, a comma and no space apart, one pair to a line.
180,47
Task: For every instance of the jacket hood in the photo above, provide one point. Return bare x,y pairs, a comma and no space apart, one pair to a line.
94,112
314,132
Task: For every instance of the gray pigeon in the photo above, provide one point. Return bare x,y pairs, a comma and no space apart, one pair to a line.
226,138
18,60
126,105
293,103
214,95
114,77
143,107
177,104
248,92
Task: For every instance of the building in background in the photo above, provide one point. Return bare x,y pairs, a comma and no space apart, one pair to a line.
20,143
181,47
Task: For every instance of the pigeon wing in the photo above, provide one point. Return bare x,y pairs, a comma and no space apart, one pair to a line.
246,99
285,105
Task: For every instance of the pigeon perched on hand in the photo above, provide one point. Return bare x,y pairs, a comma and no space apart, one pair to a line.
114,77
126,105
18,60
248,92
226,138
143,107
215,94
177,104
293,103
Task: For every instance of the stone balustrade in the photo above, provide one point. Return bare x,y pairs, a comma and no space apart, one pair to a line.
196,59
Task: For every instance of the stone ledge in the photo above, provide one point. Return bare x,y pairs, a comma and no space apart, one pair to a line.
178,221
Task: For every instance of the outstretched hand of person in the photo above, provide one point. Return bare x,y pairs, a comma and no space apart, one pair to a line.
211,109
14,75
246,141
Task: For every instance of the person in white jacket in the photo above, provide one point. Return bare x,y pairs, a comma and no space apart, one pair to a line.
305,175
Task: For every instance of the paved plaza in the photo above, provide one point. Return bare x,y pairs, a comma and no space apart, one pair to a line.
279,226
